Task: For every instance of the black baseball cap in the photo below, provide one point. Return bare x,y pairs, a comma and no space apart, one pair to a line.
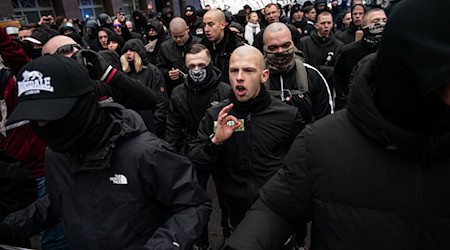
48,88
41,35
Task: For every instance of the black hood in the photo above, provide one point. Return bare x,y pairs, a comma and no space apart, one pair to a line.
158,26
412,65
367,118
136,45
112,58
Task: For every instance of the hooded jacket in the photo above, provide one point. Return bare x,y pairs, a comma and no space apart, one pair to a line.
119,196
188,105
152,56
152,77
321,53
172,56
378,184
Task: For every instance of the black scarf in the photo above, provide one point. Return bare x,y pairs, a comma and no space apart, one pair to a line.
81,130
260,102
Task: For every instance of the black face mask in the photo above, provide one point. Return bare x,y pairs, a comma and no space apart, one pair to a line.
200,77
28,48
152,38
81,130
36,53
373,33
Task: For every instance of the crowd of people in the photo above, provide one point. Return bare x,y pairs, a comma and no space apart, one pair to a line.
319,113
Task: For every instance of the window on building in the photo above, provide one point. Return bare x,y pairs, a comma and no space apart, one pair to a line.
33,9
90,8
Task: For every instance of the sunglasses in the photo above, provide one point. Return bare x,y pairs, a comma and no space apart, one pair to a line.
117,26
66,49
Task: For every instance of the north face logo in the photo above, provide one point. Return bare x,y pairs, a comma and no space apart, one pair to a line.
119,179
33,83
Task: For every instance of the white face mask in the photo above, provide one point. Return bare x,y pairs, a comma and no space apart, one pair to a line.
197,75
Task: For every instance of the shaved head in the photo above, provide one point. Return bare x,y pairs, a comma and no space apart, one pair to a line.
216,14
247,51
275,28
54,43
178,24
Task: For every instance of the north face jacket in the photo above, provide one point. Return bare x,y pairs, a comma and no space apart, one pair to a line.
133,192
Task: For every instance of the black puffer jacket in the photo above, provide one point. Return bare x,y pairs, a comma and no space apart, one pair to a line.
321,53
188,105
172,56
244,162
132,193
151,76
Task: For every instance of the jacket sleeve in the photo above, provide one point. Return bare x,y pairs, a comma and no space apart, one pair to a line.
162,103
174,182
322,102
130,93
12,53
199,151
37,217
174,126
285,203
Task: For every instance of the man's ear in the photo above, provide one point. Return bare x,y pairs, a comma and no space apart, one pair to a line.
223,24
264,76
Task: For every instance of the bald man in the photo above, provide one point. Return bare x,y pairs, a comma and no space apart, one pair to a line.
243,139
60,45
294,82
219,40
170,59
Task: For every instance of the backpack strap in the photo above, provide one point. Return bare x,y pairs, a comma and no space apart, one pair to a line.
302,81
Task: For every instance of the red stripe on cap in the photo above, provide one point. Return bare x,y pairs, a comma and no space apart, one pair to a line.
111,75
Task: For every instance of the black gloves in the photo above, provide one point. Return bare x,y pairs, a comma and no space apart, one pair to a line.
96,65
5,234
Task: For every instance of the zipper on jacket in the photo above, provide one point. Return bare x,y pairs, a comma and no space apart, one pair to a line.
248,124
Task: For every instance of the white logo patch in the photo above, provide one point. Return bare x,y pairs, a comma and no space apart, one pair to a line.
33,83
119,179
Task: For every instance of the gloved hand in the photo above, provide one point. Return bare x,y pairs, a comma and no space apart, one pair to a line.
96,65
5,234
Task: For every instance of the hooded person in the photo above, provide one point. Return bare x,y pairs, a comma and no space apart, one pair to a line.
115,43
386,186
194,22
155,35
90,36
135,63
88,143
139,21
102,38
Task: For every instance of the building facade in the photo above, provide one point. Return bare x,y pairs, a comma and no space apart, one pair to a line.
32,10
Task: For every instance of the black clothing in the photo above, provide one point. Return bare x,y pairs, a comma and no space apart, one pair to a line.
259,42
172,56
153,55
195,26
321,53
244,162
303,27
318,93
18,188
384,185
221,52
150,76
348,36
121,195
382,182
188,105
347,60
